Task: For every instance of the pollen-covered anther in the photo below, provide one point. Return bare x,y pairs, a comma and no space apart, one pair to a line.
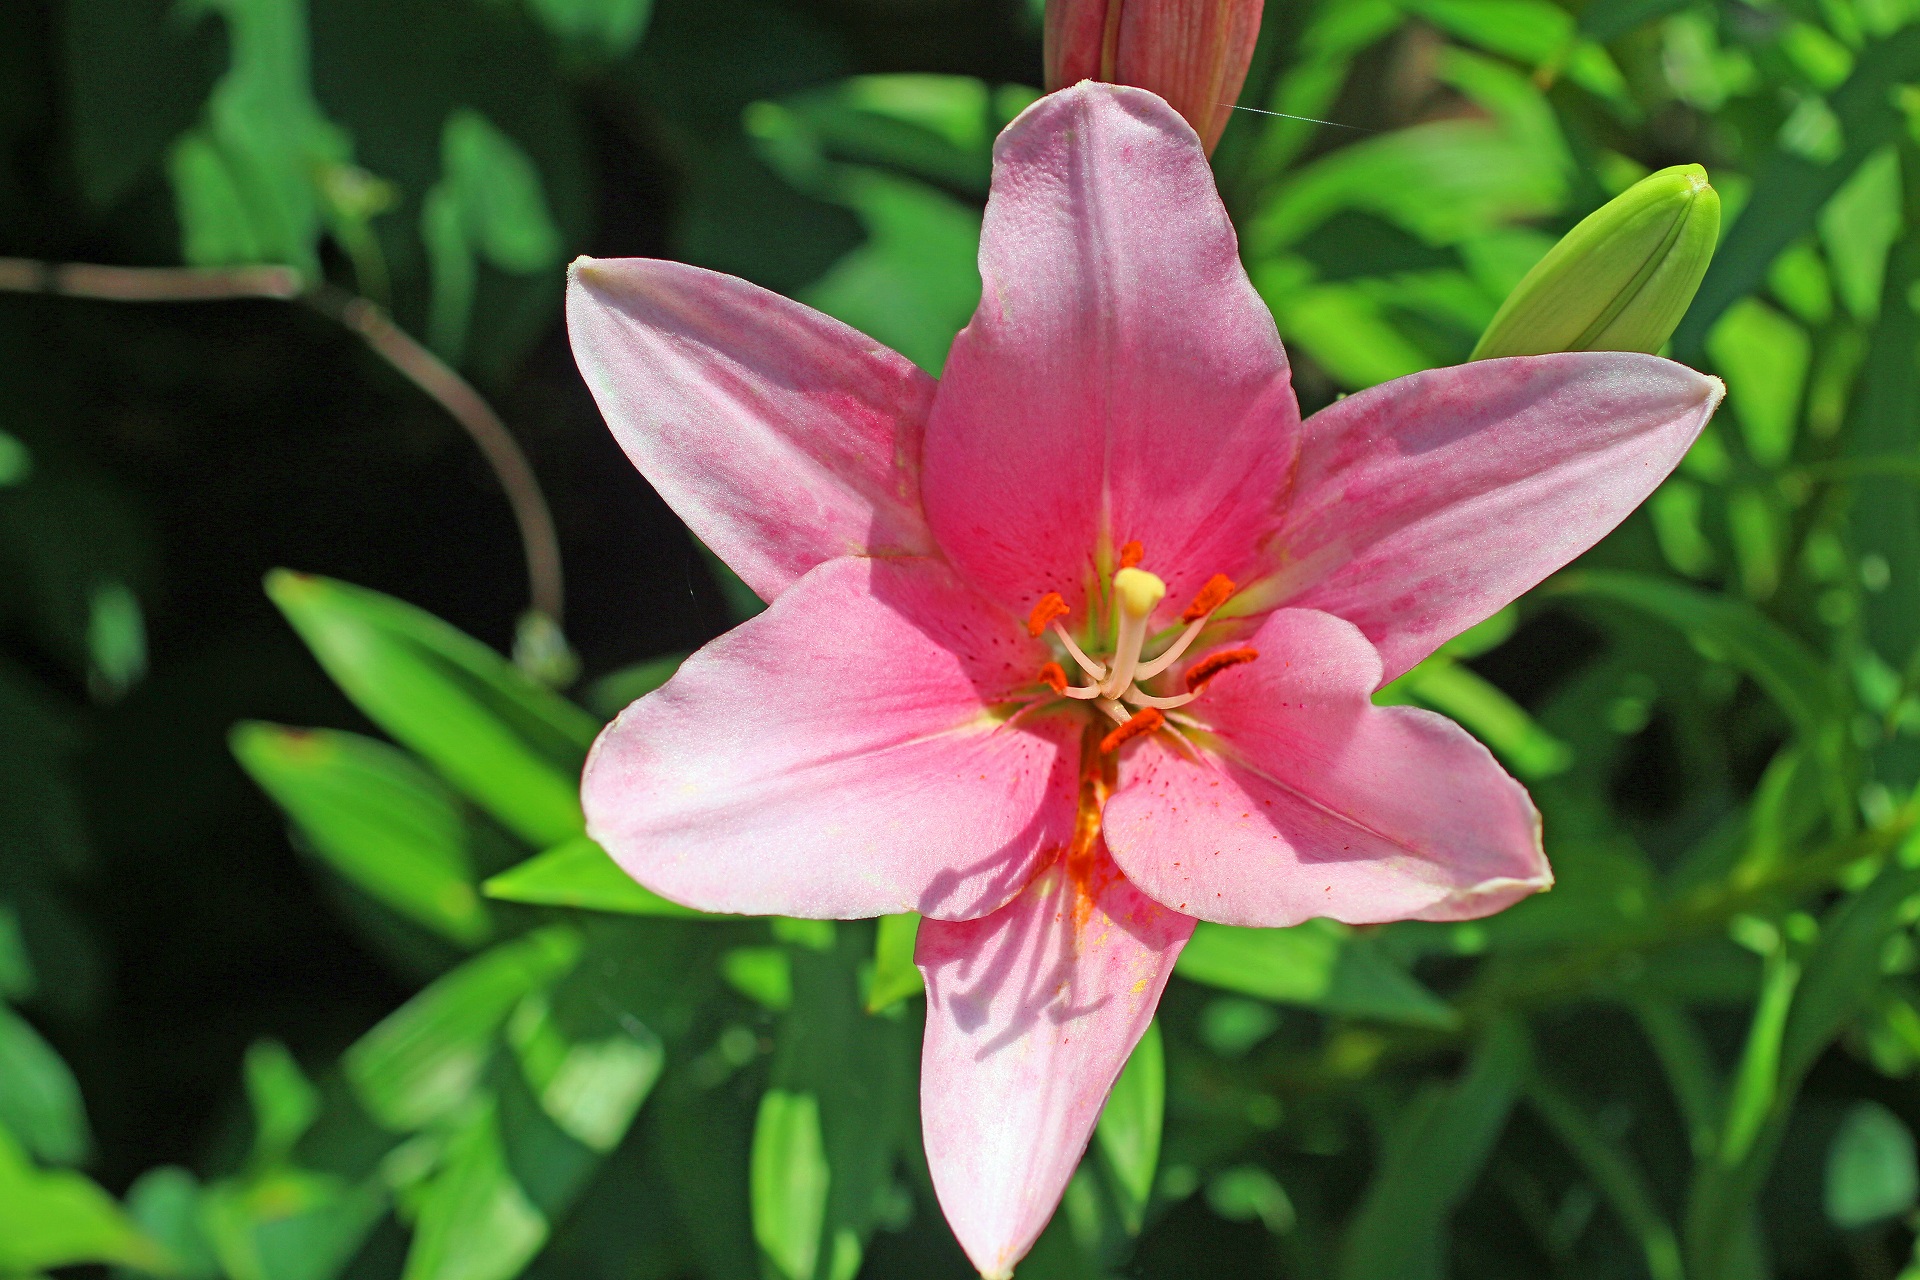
1214,594
1054,676
1140,723
1051,608
1131,554
1214,663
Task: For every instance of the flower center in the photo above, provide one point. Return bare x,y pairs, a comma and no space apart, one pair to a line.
1117,676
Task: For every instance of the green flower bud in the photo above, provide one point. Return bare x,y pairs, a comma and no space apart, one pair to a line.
1621,280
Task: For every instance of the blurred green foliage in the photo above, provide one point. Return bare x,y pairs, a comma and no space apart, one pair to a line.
454,1042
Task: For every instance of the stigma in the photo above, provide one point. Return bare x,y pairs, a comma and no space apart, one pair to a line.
1116,685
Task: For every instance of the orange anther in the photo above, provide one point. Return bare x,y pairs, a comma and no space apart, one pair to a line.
1214,663
1144,721
1054,677
1211,597
1131,554
1050,609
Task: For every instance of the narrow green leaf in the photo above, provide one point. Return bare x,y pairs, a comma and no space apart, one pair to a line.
1782,665
1613,1171
590,1088
1764,357
790,1182
39,1100
284,1223
475,1222
510,745
1756,1081
285,1103
761,974
578,873
894,977
1871,1175
55,1218
1320,965
1248,1193
165,1202
1432,1161
376,817
1129,1128
424,1061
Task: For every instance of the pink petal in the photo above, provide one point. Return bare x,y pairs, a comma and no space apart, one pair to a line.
1031,1013
1307,800
1121,379
1425,504
781,436
844,754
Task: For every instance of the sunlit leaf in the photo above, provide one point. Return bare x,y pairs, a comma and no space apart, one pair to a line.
1871,1174
424,1061
39,1101
578,873
1319,965
512,746
475,1222
377,818
1128,1132
894,976
53,1218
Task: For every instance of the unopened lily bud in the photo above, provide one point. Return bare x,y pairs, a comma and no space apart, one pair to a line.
1621,280
1193,53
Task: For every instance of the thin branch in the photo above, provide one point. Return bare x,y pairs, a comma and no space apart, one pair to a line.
399,349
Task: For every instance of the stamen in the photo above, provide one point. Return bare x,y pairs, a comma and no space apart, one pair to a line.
1134,697
1131,554
1139,593
1219,587
1142,722
1094,670
1054,676
1119,713
1050,609
1214,663
1214,594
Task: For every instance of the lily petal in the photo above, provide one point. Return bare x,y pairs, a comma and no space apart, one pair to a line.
844,754
1031,1013
781,436
1426,504
1303,799
1121,379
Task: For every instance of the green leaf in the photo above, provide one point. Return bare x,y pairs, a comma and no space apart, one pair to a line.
615,692
285,1103
578,873
1248,1193
1764,357
39,1100
1614,1173
1320,965
894,976
1434,1157
1789,190
1757,1080
510,745
1483,710
609,27
57,1219
1871,1174
424,1061
1858,227
1128,1132
16,970
165,1202
761,974
376,817
289,1224
916,280
490,204
790,1182
1780,664
474,1221
591,1088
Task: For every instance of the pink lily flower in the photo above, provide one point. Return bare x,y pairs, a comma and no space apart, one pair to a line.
1077,646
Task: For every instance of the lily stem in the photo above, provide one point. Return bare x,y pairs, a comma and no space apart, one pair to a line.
402,352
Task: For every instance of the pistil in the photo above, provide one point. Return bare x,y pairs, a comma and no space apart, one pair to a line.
1139,593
